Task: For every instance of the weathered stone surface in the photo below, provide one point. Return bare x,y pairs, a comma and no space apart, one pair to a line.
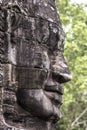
32,65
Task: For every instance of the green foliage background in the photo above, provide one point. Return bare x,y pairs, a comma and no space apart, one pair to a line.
74,20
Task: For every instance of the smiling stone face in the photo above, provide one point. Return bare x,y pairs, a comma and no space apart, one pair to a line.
35,67
41,67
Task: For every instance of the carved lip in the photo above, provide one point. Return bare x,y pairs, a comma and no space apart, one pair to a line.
55,92
55,98
55,88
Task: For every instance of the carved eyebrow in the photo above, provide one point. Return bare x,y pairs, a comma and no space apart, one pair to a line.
51,4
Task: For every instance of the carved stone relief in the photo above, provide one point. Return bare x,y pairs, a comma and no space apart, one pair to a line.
32,65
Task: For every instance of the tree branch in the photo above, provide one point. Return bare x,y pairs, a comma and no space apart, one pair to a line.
76,120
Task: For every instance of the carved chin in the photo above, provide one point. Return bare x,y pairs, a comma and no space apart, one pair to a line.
38,104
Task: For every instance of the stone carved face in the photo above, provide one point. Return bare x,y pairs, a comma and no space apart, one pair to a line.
42,71
37,46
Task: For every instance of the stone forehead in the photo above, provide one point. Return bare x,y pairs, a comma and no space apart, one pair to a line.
42,8
45,9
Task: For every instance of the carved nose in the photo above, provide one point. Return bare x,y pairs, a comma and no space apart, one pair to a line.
61,72
61,75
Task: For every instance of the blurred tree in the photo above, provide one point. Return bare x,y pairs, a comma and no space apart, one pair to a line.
74,20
